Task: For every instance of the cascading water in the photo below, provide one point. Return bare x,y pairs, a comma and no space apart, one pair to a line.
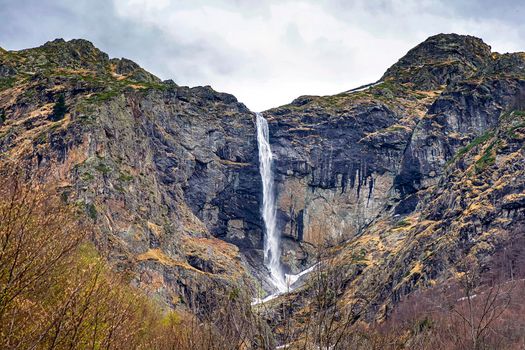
272,251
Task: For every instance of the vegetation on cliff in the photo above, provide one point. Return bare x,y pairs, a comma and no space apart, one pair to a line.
136,222
58,292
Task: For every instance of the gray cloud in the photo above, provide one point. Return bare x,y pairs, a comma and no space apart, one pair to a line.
266,52
33,22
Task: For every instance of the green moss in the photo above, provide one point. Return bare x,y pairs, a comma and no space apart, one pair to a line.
41,138
513,121
387,85
512,131
125,177
91,211
88,253
113,87
476,142
59,109
156,86
103,168
7,83
359,256
234,294
488,158
87,176
512,115
171,318
29,93
402,223
103,96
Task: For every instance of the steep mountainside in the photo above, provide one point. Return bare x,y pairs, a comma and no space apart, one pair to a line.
347,153
161,169
405,178
416,173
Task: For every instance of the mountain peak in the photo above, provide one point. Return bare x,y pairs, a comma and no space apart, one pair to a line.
73,44
440,59
74,54
58,53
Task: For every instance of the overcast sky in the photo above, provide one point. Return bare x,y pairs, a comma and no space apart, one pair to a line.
264,52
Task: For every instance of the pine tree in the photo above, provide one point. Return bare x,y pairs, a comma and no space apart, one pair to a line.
60,109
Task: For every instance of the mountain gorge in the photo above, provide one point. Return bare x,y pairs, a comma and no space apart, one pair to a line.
401,182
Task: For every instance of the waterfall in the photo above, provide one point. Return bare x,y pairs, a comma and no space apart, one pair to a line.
272,250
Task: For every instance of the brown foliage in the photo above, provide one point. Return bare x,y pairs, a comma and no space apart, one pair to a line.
56,292
481,309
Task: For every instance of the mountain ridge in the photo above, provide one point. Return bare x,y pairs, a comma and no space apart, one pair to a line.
403,180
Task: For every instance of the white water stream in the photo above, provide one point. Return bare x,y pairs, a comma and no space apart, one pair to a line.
272,250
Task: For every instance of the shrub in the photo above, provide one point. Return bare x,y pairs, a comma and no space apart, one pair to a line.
57,292
59,109
91,211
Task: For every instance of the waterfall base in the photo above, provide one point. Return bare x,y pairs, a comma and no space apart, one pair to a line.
292,283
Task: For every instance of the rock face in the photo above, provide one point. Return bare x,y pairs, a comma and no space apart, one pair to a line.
415,172
440,60
418,173
168,174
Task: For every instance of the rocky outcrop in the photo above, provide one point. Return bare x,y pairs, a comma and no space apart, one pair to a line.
338,157
325,186
345,159
440,60
463,112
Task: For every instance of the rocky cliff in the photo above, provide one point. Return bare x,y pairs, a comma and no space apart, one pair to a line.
414,172
168,174
348,153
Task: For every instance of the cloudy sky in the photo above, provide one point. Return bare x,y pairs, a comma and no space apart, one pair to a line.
265,52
